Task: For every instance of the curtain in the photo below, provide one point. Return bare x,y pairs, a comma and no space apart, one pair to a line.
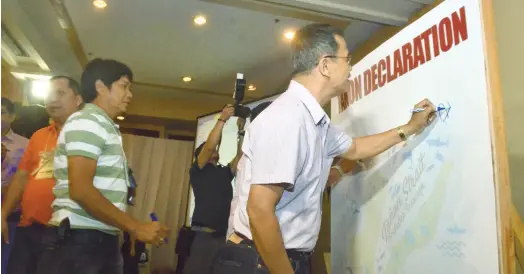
161,168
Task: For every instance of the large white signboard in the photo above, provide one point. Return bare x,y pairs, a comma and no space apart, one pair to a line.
228,145
426,205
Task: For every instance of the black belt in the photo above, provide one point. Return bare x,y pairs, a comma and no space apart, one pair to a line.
291,253
85,236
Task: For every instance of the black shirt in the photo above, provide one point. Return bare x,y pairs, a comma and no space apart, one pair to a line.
213,194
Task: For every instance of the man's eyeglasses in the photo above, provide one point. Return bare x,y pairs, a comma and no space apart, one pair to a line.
348,58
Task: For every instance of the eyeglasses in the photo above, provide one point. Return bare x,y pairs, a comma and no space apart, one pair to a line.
348,58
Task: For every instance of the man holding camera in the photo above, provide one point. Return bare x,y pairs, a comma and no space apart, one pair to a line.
211,183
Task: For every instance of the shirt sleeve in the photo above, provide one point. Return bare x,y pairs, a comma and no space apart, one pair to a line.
27,161
275,152
84,136
337,142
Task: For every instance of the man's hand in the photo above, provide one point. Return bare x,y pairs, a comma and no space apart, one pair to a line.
151,233
5,230
420,120
227,112
241,123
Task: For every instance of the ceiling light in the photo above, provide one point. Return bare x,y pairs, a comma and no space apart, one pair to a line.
289,35
40,88
186,79
199,20
28,76
251,87
100,4
120,118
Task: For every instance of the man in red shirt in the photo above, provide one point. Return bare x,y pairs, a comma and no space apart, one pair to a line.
33,182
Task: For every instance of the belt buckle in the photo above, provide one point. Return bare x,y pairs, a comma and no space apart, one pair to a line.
234,238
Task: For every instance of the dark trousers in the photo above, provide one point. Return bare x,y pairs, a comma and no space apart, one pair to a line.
243,258
202,254
12,222
27,249
81,251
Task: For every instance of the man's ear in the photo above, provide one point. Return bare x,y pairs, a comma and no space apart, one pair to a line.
323,67
100,87
79,100
12,117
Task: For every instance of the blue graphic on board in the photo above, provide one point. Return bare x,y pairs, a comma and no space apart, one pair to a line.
452,248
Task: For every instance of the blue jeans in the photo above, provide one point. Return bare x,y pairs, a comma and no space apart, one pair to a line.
80,252
244,259
6,248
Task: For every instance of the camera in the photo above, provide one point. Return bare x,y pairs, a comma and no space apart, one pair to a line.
240,88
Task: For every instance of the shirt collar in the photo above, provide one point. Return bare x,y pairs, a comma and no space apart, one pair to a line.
52,127
314,108
96,109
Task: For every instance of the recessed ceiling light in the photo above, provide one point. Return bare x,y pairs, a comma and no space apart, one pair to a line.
251,87
289,35
186,79
120,118
199,20
100,4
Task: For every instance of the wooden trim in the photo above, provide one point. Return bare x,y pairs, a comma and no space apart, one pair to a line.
498,141
64,19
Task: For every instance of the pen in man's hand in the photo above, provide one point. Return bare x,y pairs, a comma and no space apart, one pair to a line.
155,219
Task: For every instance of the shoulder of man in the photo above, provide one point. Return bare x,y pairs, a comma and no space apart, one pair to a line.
87,121
286,111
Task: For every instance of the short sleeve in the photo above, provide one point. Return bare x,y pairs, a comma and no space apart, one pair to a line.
27,161
274,150
337,142
84,136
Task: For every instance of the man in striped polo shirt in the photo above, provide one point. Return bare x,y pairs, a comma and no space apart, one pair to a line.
92,177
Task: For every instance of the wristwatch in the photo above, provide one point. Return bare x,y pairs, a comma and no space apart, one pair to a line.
401,134
339,169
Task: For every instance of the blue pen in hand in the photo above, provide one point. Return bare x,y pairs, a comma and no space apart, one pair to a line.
155,219
417,110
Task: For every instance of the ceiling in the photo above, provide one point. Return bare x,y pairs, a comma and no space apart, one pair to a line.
160,43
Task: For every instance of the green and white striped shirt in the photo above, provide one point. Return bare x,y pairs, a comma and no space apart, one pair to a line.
90,133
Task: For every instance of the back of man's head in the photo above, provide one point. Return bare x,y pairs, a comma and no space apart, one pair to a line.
106,70
310,44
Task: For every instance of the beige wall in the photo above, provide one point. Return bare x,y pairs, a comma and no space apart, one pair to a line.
508,22
511,60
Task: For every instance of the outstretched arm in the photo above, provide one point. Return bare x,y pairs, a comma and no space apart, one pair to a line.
214,137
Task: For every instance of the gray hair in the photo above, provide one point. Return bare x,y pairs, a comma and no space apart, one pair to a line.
310,43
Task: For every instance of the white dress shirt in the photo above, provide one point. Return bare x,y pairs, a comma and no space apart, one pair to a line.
291,142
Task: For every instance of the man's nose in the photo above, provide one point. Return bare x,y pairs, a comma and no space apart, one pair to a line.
51,97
